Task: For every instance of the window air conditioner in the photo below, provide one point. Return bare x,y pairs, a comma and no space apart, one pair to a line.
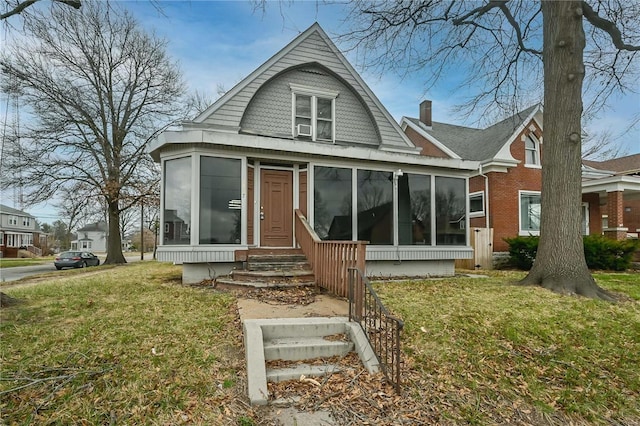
303,130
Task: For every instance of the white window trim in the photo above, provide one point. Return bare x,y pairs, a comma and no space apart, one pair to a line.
585,208
479,213
314,93
525,232
536,143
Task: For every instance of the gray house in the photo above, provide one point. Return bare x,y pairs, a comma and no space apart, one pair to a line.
18,230
303,135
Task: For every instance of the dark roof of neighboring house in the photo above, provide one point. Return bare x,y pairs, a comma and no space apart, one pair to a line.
94,227
11,210
621,165
476,144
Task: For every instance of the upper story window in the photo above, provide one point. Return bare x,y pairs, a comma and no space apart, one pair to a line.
313,113
531,150
13,220
26,221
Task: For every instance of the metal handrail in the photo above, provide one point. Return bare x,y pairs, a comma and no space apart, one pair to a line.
380,326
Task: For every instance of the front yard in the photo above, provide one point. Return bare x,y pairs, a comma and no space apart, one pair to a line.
131,345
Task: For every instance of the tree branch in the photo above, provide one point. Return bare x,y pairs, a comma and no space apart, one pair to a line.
608,27
25,4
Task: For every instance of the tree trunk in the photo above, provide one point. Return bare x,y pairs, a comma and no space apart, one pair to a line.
560,263
114,241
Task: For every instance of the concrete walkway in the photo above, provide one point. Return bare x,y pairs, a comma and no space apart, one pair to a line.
323,306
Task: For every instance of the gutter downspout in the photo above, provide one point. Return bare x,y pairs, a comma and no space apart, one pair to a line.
486,204
486,196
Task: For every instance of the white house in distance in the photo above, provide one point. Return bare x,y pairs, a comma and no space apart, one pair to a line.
92,237
304,132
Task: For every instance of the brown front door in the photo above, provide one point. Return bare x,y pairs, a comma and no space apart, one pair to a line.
276,208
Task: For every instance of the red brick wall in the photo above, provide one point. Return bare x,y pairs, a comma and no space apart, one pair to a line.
595,214
504,201
428,149
632,217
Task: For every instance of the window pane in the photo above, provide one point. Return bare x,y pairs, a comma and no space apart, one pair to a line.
450,211
414,209
303,106
220,200
476,203
375,212
530,212
529,143
324,130
530,157
177,201
332,212
324,108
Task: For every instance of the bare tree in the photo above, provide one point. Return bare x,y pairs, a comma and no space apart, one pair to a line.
15,7
510,49
98,88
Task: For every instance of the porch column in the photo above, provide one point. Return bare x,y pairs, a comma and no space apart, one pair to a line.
615,211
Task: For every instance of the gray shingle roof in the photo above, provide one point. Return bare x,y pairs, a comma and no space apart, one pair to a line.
11,210
476,144
98,226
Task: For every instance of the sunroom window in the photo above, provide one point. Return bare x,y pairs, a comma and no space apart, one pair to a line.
177,201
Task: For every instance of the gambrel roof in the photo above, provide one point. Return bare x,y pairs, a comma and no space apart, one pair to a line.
472,143
312,48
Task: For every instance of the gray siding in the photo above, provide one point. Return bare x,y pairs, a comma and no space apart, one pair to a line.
307,50
270,111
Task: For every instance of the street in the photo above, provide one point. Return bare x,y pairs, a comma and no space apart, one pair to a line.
19,272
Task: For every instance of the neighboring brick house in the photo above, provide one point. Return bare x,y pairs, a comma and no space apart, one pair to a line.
304,133
619,180
18,230
506,189
504,194
92,237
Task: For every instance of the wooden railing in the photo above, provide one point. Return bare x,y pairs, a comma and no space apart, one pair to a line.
381,328
329,260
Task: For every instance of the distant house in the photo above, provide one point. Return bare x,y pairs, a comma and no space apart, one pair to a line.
612,190
504,193
18,230
304,132
92,237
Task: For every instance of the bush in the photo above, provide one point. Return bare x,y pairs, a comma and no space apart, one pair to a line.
606,254
600,252
522,251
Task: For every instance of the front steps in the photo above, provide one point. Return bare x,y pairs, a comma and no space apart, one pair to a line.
271,267
297,339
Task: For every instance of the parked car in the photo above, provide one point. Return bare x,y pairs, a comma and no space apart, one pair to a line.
76,259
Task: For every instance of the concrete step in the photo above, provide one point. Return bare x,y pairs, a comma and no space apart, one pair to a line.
278,266
293,339
302,327
231,283
299,348
287,276
289,257
277,375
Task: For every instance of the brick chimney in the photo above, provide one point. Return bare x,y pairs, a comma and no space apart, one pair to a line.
425,112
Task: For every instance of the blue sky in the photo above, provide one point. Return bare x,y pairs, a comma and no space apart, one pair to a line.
218,43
